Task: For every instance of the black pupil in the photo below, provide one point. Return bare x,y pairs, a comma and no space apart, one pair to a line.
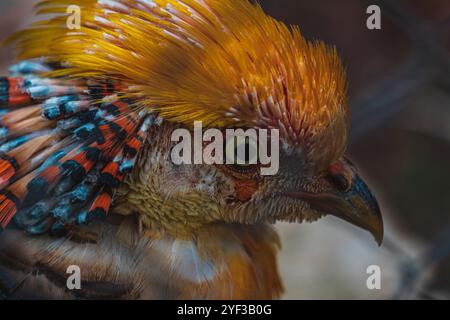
248,147
247,152
249,166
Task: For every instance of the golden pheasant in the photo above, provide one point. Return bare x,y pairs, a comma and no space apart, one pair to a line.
86,175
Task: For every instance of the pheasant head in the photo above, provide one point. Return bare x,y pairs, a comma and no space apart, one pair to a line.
228,65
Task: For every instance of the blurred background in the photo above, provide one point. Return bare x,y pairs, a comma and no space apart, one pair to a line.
399,88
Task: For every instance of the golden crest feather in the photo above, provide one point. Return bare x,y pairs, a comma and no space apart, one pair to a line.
225,63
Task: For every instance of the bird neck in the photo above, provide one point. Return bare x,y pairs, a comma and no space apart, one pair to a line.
223,261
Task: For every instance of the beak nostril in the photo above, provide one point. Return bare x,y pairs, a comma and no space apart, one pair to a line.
340,177
341,182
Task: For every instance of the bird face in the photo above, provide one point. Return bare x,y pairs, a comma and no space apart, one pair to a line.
226,64
298,194
183,198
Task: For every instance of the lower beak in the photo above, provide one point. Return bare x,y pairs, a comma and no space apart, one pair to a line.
357,206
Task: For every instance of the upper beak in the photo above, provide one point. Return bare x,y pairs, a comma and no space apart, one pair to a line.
357,206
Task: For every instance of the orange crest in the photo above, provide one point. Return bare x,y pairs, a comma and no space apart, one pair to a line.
225,63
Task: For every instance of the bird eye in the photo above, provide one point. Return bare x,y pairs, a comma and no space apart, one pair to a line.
242,154
242,151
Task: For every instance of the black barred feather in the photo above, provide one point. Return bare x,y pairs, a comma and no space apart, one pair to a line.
65,146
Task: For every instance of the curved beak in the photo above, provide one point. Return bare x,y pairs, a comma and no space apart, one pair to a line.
357,206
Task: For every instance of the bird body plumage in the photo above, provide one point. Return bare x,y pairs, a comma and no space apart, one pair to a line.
223,262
